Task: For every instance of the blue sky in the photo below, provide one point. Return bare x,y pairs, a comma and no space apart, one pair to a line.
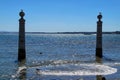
60,15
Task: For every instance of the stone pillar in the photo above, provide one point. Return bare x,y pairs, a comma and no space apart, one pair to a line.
21,45
99,37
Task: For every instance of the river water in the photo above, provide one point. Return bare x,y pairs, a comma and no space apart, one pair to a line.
59,57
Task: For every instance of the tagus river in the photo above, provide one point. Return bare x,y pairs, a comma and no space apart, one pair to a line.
60,57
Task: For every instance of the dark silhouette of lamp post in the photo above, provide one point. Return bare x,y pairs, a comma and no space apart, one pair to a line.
21,45
99,37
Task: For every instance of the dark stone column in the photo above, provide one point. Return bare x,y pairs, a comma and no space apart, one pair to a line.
99,37
21,45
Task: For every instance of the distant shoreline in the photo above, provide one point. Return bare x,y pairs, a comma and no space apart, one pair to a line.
87,33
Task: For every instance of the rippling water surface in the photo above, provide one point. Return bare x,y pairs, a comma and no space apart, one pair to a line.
60,57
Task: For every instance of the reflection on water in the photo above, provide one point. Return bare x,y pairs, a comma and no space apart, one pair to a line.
99,77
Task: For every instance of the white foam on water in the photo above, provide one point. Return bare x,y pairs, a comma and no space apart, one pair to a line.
19,71
117,63
21,68
78,70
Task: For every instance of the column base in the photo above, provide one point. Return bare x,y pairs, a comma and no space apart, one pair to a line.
21,54
99,52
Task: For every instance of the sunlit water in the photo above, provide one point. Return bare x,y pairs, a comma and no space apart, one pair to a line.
60,57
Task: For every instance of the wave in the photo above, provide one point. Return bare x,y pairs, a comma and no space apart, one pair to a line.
20,71
67,68
77,70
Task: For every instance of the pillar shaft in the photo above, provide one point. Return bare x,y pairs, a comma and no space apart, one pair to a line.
99,37
21,44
